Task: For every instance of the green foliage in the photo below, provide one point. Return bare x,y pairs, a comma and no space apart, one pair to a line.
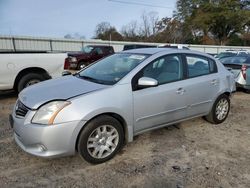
224,22
235,40
220,19
105,31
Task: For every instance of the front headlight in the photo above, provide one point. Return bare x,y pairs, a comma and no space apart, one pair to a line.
48,112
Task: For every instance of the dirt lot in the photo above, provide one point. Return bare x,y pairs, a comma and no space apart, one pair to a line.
192,154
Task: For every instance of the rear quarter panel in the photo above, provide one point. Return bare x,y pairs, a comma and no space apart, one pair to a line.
227,82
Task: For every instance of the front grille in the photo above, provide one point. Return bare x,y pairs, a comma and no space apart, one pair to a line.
21,109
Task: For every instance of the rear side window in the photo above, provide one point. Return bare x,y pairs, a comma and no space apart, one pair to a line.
99,51
198,66
109,50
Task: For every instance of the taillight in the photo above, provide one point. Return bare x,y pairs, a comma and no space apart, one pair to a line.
66,64
244,71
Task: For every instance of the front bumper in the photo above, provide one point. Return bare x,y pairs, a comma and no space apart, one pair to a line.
46,141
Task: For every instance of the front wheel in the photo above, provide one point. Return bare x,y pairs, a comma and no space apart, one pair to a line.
101,139
220,110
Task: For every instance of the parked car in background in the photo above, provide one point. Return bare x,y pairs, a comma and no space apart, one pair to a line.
174,46
20,70
231,53
123,95
88,55
240,66
213,54
136,46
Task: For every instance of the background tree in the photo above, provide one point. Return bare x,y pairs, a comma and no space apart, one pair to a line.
74,36
194,22
130,31
105,31
148,28
219,19
171,30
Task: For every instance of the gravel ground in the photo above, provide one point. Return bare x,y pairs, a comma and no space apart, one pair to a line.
191,154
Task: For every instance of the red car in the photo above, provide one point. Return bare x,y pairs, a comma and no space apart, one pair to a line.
88,55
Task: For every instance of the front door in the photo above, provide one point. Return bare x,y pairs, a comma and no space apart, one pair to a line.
165,103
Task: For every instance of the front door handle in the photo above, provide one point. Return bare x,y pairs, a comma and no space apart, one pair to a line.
180,91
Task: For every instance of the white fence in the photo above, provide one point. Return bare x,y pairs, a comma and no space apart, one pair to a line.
20,43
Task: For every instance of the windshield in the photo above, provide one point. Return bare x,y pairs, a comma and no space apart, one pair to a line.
111,69
225,54
234,60
87,49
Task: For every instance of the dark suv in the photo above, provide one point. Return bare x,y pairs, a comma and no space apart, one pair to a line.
88,55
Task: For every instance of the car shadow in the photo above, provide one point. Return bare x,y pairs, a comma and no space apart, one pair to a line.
242,90
8,94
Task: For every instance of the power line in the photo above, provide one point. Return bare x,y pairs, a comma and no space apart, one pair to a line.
142,4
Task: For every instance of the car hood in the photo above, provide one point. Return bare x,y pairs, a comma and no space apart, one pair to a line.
57,89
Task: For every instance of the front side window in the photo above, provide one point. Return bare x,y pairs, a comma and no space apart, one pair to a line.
165,69
197,66
111,69
87,49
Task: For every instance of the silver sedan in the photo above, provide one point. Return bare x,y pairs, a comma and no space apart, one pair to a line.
98,109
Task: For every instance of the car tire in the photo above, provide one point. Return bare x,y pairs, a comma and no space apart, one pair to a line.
28,80
100,139
220,110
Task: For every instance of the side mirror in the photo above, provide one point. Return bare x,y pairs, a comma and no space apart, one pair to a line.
66,73
145,82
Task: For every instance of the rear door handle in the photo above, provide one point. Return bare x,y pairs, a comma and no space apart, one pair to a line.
180,91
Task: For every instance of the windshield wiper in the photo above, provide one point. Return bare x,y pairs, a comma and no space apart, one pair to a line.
87,78
92,79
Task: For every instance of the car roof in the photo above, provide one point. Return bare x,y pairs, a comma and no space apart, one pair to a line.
151,51
101,46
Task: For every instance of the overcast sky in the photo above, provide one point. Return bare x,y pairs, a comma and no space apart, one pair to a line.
56,18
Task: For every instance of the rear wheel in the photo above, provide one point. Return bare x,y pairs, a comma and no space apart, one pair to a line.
220,110
101,139
28,80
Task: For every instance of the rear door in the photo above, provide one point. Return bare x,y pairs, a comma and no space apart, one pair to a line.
165,103
202,84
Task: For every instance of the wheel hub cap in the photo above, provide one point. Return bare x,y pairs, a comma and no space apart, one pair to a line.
32,82
222,109
102,141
